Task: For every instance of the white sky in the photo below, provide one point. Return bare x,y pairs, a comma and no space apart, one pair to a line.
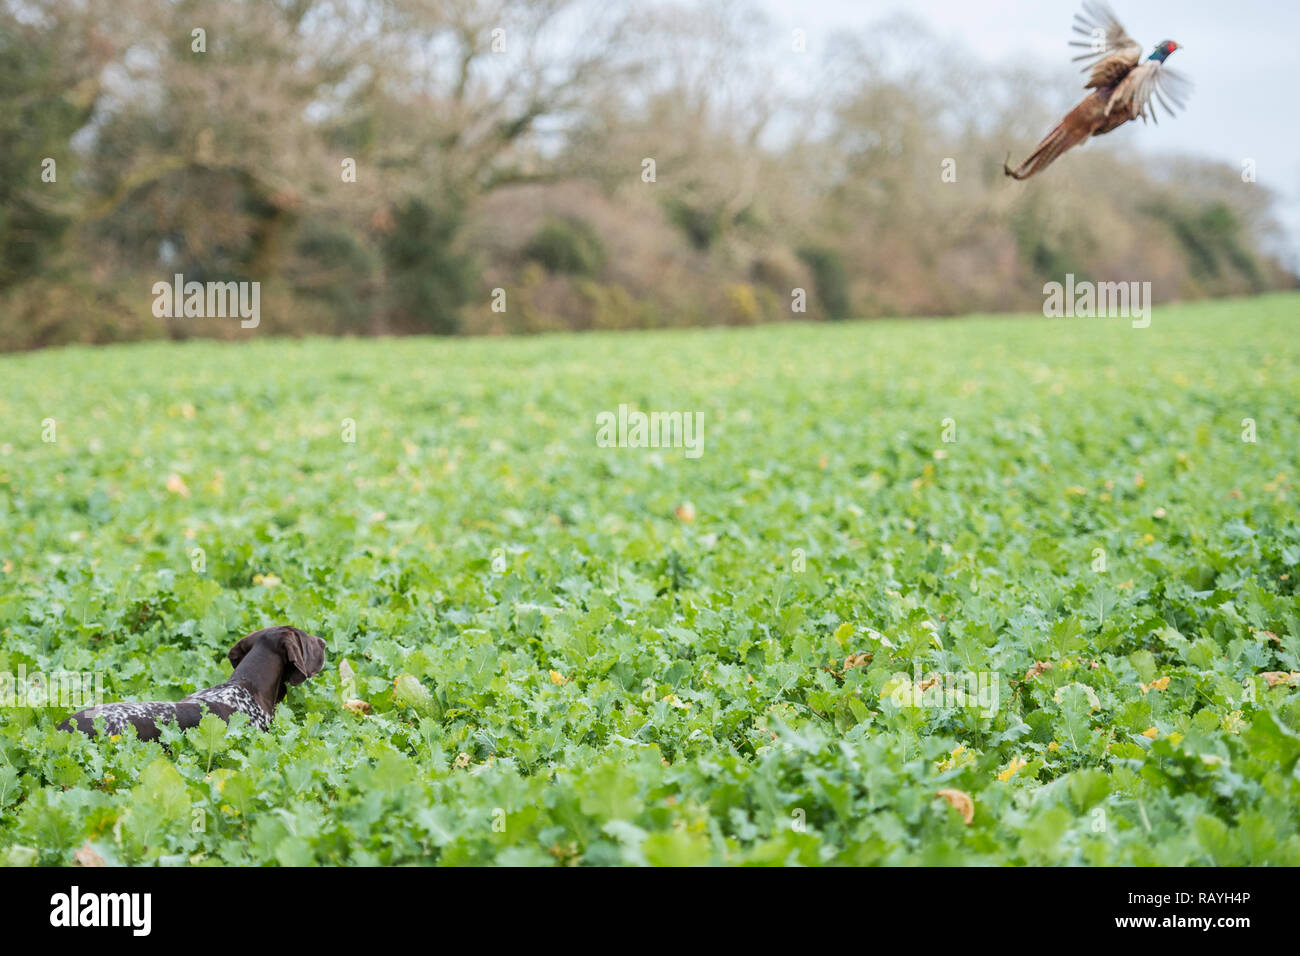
1241,56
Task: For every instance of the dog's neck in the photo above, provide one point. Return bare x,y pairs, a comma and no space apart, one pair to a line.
262,672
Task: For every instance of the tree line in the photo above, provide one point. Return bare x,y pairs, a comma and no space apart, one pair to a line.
500,166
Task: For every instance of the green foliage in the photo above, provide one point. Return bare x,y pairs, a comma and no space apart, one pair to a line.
561,668
1212,239
701,223
210,736
37,116
1050,251
566,246
831,280
335,268
429,280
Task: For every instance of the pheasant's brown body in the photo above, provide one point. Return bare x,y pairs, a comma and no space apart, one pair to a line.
1122,88
1089,118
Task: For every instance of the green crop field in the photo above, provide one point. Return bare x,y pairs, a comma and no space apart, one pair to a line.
1047,567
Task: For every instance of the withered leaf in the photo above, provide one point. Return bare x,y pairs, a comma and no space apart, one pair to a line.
961,802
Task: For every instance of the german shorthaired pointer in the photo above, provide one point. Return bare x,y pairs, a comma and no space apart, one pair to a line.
264,662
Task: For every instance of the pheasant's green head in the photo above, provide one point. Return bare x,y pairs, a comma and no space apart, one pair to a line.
1162,50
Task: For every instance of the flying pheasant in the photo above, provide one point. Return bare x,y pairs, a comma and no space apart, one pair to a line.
1122,87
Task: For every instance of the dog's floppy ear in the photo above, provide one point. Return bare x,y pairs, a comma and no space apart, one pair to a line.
243,647
305,654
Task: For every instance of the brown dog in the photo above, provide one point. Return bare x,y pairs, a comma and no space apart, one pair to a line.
264,661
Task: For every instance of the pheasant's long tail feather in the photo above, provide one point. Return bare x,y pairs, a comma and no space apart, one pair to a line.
1053,145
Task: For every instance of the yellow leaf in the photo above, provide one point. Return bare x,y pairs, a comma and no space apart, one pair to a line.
1281,677
1151,733
1011,769
961,802
1159,684
557,678
960,757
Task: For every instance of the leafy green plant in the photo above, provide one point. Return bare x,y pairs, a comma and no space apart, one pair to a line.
831,280
429,278
566,246
551,660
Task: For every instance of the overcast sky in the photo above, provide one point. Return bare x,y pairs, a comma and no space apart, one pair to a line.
1242,57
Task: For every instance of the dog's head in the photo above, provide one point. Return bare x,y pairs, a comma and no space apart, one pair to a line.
300,654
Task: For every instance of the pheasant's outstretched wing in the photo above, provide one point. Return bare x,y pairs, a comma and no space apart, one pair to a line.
1152,83
1112,53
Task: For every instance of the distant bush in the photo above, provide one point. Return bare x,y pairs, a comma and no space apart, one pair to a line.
429,280
66,305
37,117
701,225
742,304
567,246
336,269
1212,239
778,269
830,278
610,306
1050,253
